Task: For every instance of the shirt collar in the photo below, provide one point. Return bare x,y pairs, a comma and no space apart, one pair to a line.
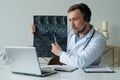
89,34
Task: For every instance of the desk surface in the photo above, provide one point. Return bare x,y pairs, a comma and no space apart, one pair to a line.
5,74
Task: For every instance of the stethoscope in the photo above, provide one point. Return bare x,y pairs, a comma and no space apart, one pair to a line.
88,40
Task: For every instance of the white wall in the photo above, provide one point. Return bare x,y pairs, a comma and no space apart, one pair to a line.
16,17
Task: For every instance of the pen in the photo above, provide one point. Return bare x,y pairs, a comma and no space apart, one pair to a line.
54,37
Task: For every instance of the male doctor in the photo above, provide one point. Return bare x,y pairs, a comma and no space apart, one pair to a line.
85,45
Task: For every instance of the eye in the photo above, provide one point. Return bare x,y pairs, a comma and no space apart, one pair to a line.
76,19
70,20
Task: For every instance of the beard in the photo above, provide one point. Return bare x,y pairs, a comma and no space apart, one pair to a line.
79,30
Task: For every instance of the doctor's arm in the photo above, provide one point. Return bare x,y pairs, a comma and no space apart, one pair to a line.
87,56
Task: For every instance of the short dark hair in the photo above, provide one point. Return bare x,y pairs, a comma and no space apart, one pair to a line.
83,8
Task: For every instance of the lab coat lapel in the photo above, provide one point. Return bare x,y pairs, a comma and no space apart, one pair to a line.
71,43
80,42
83,40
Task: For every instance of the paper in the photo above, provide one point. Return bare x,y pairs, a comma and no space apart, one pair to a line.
98,69
64,68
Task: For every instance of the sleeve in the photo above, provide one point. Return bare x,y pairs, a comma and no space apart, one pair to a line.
87,56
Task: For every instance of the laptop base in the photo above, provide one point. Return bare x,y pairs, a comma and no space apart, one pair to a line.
36,75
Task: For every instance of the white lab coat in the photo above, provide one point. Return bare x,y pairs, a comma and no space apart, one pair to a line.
77,57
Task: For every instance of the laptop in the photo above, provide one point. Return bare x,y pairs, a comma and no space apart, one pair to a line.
24,60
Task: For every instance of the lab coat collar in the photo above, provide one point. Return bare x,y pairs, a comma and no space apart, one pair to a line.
88,35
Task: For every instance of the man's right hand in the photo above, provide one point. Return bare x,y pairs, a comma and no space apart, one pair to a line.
33,28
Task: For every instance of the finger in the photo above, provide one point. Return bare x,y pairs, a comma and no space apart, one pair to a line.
33,28
52,44
52,51
56,43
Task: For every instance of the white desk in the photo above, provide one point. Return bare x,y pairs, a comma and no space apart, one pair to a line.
79,74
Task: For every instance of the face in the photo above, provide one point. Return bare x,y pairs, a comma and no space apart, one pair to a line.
76,19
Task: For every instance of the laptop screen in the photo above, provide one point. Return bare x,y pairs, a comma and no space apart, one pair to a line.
23,59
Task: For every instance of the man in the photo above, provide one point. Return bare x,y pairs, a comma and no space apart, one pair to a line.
85,46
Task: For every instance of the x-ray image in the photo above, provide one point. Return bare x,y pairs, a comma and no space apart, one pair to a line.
49,29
